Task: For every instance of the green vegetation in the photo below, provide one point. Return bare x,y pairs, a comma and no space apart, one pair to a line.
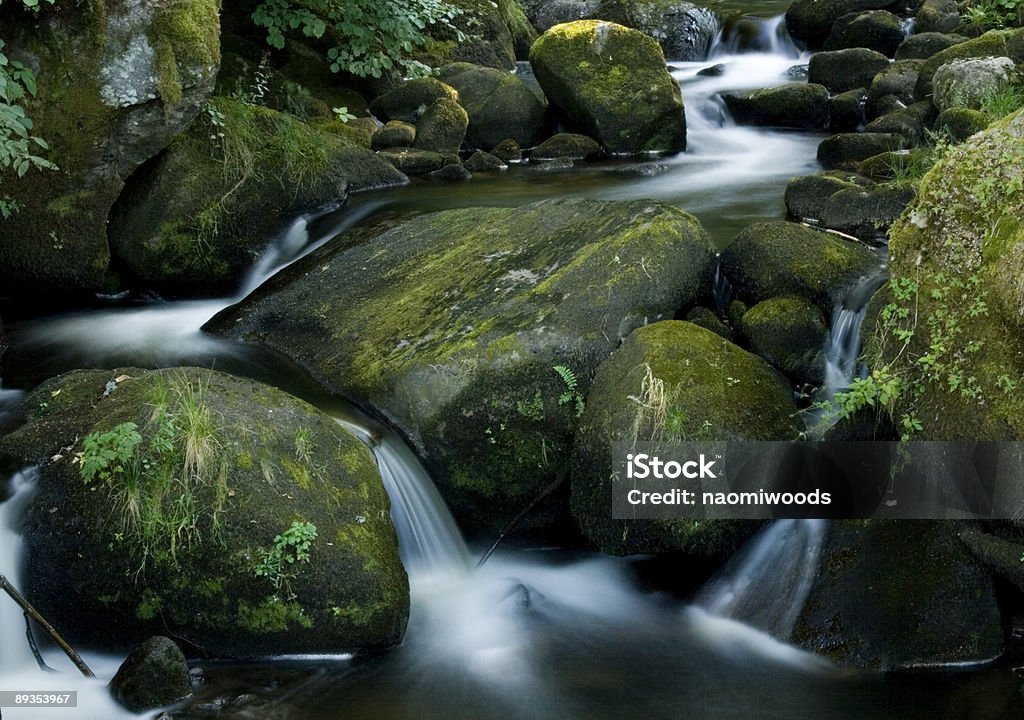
981,15
371,37
1004,100
290,548
571,394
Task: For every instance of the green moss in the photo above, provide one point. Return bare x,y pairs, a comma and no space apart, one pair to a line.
272,615
192,29
244,460
167,79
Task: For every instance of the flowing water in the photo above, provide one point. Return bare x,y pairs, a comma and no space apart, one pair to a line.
541,634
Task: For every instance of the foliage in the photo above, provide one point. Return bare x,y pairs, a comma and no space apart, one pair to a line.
571,394
1004,100
978,16
372,37
105,455
908,167
290,548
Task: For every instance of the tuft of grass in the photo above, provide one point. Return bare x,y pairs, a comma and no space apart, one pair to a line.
1002,101
652,402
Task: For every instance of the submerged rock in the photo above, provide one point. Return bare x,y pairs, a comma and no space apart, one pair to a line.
452,326
236,517
115,85
155,674
194,219
712,390
898,594
611,83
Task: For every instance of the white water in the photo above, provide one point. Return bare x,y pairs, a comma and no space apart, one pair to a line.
771,38
766,584
842,344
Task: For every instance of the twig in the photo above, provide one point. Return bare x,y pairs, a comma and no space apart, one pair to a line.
6,586
518,518
35,648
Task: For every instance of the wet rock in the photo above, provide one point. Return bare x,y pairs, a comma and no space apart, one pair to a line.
846,111
554,165
410,100
685,31
794,105
937,16
712,390
566,145
847,149
155,674
866,213
895,81
451,173
508,151
923,45
556,12
843,70
611,83
789,332
713,71
709,320
960,123
772,259
493,35
994,43
499,105
461,317
895,594
411,161
966,83
877,30
115,85
442,127
194,220
395,133
186,526
911,123
806,196
484,162
812,20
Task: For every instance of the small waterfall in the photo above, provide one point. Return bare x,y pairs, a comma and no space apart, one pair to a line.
766,584
722,290
429,541
15,653
842,344
752,34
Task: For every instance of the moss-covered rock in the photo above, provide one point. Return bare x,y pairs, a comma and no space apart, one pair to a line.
455,321
793,105
196,217
153,675
684,30
806,196
911,123
845,150
611,83
998,553
960,123
412,161
185,523
712,389
968,82
866,212
484,162
495,33
962,243
811,20
115,85
566,145
453,172
508,150
772,259
994,43
709,320
789,332
410,100
936,606
877,30
500,106
923,45
847,110
395,133
842,70
937,16
442,127
896,80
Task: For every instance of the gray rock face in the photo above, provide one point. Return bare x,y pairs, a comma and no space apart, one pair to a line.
966,83
114,88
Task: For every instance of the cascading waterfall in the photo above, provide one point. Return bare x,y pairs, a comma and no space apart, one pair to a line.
752,34
766,584
842,344
15,653
722,290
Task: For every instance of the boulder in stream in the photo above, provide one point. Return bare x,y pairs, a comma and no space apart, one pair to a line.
842,70
476,332
226,512
993,44
153,675
811,20
877,30
789,332
611,83
793,105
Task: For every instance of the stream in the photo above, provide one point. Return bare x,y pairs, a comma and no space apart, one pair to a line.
543,633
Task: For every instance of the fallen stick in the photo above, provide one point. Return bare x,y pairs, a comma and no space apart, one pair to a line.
24,604
519,518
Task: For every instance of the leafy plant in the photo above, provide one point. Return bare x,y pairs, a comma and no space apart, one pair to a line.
106,455
571,394
290,548
342,114
372,36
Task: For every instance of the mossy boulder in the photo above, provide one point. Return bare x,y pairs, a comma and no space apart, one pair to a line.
709,320
495,33
911,123
894,81
410,100
962,243
968,82
453,172
793,105
789,332
877,30
194,219
442,127
811,20
960,123
395,133
413,161
806,196
713,389
500,106
842,70
772,259
566,145
115,86
923,45
153,675
484,162
937,16
508,150
184,522
847,110
994,43
610,82
685,31
454,322
845,150
898,594
866,212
